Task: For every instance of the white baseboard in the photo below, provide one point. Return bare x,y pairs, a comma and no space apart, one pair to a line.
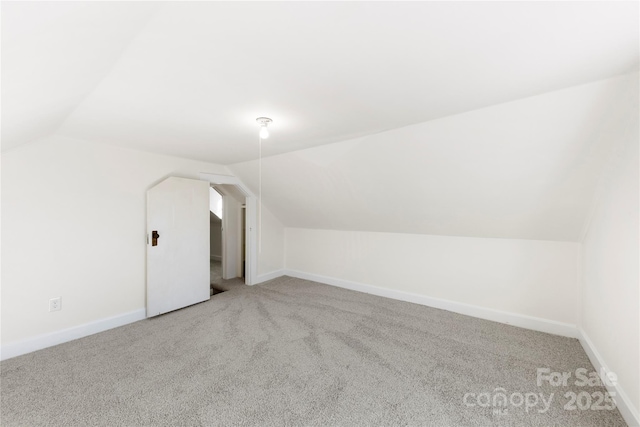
624,404
216,257
514,319
39,342
269,276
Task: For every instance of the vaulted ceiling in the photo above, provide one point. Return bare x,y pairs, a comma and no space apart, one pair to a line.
525,169
487,119
189,78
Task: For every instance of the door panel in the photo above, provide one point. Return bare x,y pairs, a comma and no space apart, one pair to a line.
178,265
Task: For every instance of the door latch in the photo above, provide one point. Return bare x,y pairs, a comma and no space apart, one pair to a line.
154,238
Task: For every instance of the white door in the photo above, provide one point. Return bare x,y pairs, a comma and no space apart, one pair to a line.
178,244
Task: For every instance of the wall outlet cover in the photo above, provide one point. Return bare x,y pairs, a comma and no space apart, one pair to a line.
55,304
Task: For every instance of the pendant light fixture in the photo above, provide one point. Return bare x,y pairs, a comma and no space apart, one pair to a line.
264,122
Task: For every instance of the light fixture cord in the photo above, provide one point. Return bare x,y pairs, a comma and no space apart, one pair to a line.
260,194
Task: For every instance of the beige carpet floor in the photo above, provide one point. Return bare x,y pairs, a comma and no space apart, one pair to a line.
298,353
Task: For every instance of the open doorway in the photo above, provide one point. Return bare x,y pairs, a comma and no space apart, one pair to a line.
243,216
228,236
215,240
239,237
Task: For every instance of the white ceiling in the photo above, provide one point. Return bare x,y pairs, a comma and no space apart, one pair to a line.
525,169
189,79
54,55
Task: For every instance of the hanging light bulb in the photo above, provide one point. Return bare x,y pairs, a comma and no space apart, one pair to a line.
264,122
264,132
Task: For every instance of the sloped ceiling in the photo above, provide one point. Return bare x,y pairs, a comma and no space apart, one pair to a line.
488,119
525,169
54,55
189,78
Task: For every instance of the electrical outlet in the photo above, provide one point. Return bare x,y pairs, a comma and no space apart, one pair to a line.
55,304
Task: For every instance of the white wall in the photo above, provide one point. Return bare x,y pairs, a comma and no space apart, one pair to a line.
271,251
73,225
526,277
231,246
610,294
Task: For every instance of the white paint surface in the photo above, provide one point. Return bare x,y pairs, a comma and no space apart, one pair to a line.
527,277
623,402
610,294
54,54
178,264
38,342
215,202
522,170
231,238
77,209
189,78
271,257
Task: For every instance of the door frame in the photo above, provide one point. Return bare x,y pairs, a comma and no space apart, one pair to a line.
251,212
230,234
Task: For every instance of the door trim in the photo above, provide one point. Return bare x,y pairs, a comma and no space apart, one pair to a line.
251,247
